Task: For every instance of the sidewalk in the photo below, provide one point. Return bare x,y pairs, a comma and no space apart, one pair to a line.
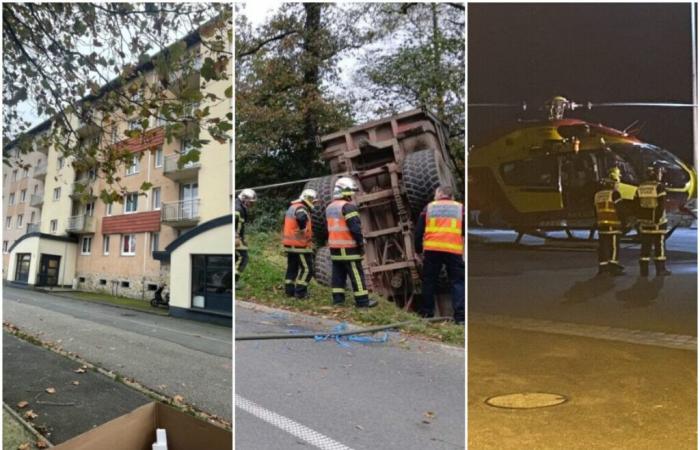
73,409
620,395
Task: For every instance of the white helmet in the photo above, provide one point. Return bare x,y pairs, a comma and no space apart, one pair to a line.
247,195
308,195
344,187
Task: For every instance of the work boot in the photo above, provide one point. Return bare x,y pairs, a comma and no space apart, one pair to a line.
370,304
661,270
644,268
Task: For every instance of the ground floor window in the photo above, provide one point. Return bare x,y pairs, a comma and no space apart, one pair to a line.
129,244
212,282
22,270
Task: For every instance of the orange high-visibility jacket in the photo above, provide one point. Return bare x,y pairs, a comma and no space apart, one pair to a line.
605,210
443,227
339,235
292,235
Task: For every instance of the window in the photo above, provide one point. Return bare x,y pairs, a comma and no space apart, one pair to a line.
135,163
134,125
103,282
155,238
32,217
57,194
25,173
125,284
20,219
12,198
114,134
212,277
105,245
81,279
128,245
159,157
8,222
14,175
151,287
4,246
155,193
542,172
61,161
53,225
90,209
23,196
36,189
131,203
86,245
108,209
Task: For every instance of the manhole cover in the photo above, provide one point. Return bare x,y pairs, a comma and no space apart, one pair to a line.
526,400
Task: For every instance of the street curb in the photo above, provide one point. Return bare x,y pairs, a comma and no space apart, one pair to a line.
27,426
114,376
351,327
145,311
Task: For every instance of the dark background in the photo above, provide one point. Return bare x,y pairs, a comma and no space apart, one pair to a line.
585,52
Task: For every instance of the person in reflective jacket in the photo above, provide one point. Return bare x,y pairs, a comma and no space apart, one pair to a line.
607,207
244,201
650,198
297,241
346,245
439,241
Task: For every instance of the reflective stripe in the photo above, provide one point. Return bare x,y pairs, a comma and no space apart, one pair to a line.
352,214
288,281
358,280
345,257
430,245
304,269
614,248
443,230
338,290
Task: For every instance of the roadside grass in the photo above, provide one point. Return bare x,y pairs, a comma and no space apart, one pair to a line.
263,283
14,434
97,297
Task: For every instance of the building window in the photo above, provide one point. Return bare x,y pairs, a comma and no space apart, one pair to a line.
151,287
4,246
212,282
86,245
54,225
57,194
125,284
25,173
61,161
81,279
114,134
32,217
134,125
23,196
14,175
36,189
155,239
90,209
105,245
12,198
8,222
23,263
135,163
131,204
128,245
20,219
103,282
159,157
156,199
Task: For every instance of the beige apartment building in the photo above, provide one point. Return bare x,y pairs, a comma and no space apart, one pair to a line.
177,233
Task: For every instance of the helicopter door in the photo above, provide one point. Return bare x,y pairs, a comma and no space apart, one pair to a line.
579,181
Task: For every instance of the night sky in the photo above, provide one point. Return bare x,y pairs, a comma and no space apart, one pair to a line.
585,52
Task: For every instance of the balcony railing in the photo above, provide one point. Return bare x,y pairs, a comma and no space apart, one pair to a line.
80,224
33,227
183,213
36,200
40,170
80,187
176,173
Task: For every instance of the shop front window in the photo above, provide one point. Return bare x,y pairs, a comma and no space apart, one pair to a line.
212,285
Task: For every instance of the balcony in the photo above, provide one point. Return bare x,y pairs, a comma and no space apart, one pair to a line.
80,224
36,200
33,227
176,173
182,214
80,188
40,171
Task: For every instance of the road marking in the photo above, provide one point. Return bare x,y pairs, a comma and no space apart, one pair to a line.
294,428
643,337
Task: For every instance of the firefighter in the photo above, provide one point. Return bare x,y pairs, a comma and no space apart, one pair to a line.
244,202
346,245
440,239
297,242
607,207
651,215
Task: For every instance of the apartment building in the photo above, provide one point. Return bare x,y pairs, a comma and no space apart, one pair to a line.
177,233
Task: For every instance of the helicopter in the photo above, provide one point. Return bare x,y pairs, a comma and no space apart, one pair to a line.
541,175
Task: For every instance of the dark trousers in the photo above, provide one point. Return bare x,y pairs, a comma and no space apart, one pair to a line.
241,261
432,265
342,269
299,273
653,238
608,249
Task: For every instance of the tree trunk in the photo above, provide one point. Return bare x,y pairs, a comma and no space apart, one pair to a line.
311,78
439,100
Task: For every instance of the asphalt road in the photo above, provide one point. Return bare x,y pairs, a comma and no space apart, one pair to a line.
555,283
173,356
404,394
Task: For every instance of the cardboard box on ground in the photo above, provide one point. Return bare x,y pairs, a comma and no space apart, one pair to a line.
137,431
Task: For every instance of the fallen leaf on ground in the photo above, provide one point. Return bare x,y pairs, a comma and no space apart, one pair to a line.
360,427
30,415
178,399
79,370
50,390
22,404
24,446
41,444
75,383
428,417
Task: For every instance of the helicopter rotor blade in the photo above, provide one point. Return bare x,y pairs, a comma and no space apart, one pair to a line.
644,104
522,105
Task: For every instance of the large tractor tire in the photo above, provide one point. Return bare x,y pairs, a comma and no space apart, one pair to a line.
422,174
323,268
324,187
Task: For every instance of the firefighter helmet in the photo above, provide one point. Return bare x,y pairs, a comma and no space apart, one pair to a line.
614,174
309,196
344,187
247,195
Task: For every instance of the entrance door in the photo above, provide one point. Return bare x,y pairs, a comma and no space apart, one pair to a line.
189,194
48,270
22,270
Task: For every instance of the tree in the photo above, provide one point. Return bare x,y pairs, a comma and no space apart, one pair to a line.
83,64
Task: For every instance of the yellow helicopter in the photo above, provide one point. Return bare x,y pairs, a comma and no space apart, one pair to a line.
541,175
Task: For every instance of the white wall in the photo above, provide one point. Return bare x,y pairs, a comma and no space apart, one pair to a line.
68,252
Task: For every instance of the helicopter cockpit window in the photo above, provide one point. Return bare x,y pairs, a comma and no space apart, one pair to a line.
628,174
536,172
642,156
